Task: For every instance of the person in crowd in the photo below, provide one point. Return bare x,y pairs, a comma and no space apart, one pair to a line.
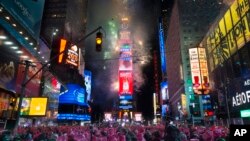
172,133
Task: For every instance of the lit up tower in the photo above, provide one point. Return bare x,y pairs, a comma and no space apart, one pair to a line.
125,71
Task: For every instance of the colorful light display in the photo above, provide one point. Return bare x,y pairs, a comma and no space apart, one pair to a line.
125,66
162,48
125,83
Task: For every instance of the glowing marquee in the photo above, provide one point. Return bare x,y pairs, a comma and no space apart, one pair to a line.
125,83
199,70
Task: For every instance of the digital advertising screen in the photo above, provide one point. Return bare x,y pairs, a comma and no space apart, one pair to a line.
125,61
164,91
88,78
138,117
162,48
34,106
199,70
74,95
73,56
125,82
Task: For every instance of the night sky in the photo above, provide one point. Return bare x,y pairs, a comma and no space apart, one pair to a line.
143,15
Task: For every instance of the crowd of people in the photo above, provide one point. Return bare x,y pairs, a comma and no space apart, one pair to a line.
118,132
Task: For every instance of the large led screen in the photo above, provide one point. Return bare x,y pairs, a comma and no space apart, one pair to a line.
164,91
34,106
162,48
125,82
125,61
87,78
74,95
199,70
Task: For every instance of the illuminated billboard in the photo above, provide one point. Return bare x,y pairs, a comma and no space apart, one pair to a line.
74,95
138,116
199,70
69,54
33,106
162,48
125,35
87,79
125,82
125,61
73,56
164,91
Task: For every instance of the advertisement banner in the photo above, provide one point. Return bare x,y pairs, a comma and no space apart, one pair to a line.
199,70
125,61
164,91
74,95
125,83
162,49
27,12
8,68
88,81
239,96
32,88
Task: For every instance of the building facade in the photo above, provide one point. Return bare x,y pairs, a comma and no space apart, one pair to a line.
188,24
227,46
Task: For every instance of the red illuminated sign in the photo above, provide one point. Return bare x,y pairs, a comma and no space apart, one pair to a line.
125,83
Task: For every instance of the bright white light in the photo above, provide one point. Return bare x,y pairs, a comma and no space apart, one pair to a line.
140,43
24,57
43,57
3,37
54,33
21,32
31,43
8,43
46,61
19,51
115,85
14,25
26,38
142,62
14,47
35,48
39,52
8,18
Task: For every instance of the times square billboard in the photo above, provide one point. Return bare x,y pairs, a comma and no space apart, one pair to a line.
162,47
199,70
125,83
87,79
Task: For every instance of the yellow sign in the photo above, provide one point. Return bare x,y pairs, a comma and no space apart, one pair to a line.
38,106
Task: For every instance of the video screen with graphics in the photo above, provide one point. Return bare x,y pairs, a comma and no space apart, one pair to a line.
34,106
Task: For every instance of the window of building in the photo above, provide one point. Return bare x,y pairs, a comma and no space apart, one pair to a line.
236,65
245,61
